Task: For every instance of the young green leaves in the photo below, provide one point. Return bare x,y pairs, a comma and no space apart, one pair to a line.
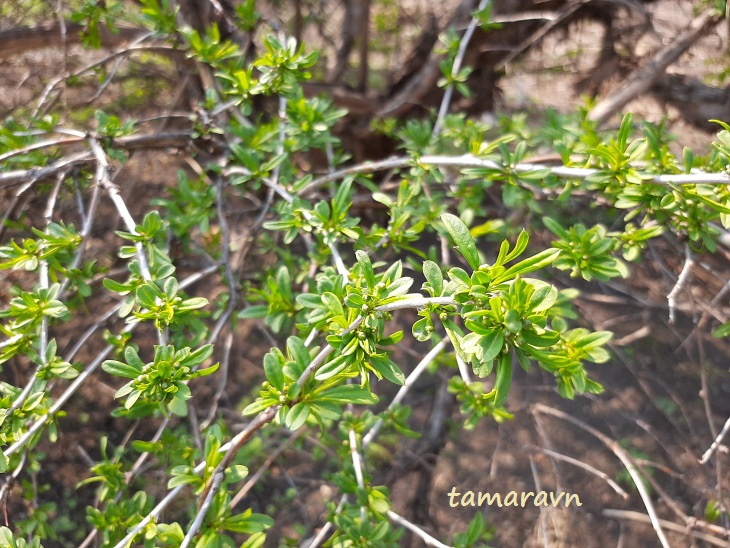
508,315
162,382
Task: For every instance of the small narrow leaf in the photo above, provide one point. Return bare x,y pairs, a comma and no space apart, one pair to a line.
297,415
504,379
463,240
274,372
434,277
521,244
348,393
120,369
367,268
531,264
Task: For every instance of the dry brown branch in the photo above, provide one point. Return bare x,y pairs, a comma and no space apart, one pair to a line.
638,516
19,40
697,101
580,464
557,19
420,84
643,78
622,455
349,31
363,31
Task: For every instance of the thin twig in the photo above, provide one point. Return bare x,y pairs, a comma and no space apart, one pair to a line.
357,465
681,281
218,477
88,222
118,53
463,370
43,284
324,531
128,142
638,516
415,529
232,301
102,177
585,466
642,78
456,67
543,516
267,415
259,421
622,455
716,444
469,160
270,459
407,385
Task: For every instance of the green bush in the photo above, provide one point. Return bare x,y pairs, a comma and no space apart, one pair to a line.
483,290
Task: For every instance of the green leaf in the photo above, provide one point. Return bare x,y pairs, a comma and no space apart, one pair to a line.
120,369
548,338
247,523
535,262
147,295
208,370
130,354
199,356
455,336
332,303
555,227
257,406
308,300
462,238
434,277
254,312
504,379
367,268
348,393
522,240
388,369
341,200
274,372
299,352
115,286
170,287
492,345
332,368
192,304
594,340
297,415
722,331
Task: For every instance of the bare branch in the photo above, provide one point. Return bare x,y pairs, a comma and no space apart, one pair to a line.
19,40
456,67
585,466
622,455
638,516
681,281
643,78
420,533
716,444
